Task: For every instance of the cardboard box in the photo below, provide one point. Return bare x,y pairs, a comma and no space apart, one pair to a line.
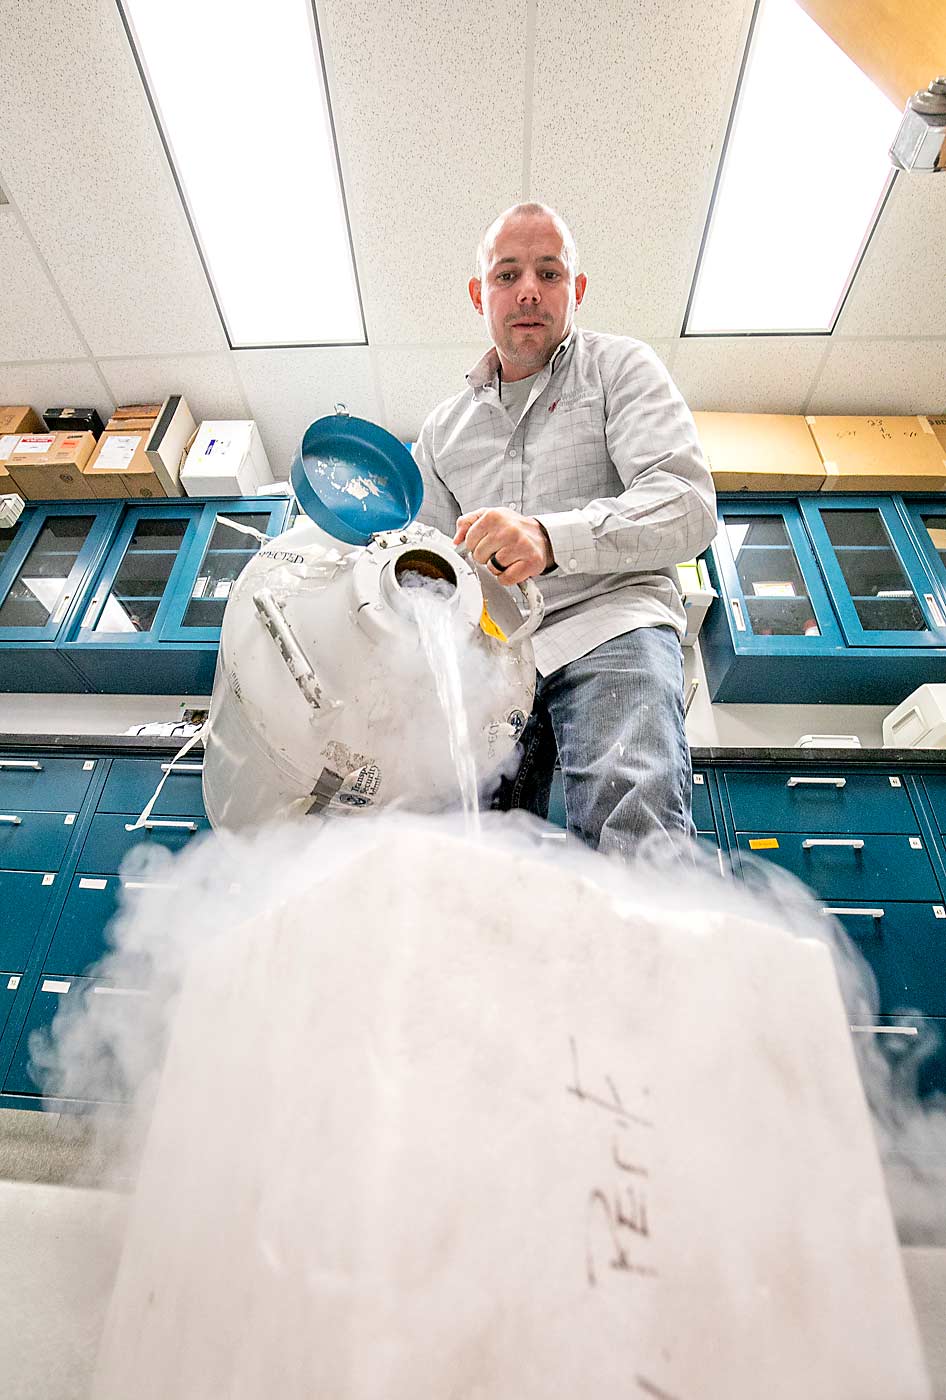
48,466
760,452
8,442
119,466
227,458
168,443
879,453
939,428
20,420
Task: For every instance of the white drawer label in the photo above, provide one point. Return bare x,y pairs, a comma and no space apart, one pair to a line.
915,843
48,879
88,766
895,782
70,819
12,983
698,779
939,912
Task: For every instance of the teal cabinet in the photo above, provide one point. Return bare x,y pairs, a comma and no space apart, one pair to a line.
826,599
112,837
123,598
841,801
24,900
905,946
856,867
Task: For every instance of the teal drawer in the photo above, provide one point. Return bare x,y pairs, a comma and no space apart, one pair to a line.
131,782
117,1011
880,868
80,939
810,802
905,946
108,841
9,990
24,896
34,840
936,792
914,1048
44,784
702,810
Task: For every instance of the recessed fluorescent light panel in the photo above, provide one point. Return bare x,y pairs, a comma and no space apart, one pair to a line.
805,172
239,93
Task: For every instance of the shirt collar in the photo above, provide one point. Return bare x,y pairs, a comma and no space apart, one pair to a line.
483,378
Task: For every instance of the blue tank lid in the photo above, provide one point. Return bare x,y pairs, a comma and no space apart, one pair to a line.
353,478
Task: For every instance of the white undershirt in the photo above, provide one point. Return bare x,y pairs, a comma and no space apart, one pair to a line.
515,395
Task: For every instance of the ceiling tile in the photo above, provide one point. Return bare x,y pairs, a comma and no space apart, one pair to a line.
286,390
630,104
33,324
883,376
748,374
900,288
83,161
52,385
428,106
209,383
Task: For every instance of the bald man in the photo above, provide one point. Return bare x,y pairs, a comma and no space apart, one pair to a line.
571,457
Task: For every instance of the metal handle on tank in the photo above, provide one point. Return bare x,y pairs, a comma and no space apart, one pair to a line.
297,663
534,601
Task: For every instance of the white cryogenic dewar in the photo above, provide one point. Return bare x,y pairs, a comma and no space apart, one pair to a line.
323,699
453,1122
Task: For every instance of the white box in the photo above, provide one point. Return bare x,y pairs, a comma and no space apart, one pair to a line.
168,441
919,722
697,593
227,458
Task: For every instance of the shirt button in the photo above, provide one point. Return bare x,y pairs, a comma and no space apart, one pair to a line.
512,452
512,505
573,564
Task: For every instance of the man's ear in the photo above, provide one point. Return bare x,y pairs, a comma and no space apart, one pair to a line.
475,289
581,282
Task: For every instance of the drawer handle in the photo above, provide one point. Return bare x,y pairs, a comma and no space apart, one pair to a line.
12,821
817,782
182,768
21,763
856,844
151,825
866,913
886,1030
738,618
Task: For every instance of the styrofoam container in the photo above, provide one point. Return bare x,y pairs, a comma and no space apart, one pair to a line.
227,458
919,722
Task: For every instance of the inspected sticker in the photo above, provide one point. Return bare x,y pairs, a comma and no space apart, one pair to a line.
767,843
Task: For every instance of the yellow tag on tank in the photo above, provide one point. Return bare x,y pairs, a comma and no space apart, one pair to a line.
768,844
489,626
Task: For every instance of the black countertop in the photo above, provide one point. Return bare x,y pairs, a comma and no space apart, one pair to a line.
149,744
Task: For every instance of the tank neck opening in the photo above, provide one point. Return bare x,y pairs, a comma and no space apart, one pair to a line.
427,570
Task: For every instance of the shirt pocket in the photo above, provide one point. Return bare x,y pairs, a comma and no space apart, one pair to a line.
574,439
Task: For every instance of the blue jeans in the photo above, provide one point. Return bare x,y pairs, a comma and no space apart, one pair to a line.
615,720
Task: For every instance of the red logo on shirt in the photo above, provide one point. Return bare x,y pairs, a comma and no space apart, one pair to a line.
553,406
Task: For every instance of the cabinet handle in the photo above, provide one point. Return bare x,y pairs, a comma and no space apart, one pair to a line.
817,782
150,826
933,606
60,611
182,768
12,821
856,844
886,1030
738,618
22,763
867,913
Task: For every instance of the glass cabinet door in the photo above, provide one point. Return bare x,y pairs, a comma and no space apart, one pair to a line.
876,578
42,567
229,538
770,579
133,592
929,522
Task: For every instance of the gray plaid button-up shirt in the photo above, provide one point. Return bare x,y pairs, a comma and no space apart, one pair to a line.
606,456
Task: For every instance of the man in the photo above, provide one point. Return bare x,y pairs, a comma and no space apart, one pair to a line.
572,458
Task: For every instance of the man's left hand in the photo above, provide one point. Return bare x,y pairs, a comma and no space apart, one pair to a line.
516,542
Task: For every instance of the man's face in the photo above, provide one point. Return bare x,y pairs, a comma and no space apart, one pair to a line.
528,292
